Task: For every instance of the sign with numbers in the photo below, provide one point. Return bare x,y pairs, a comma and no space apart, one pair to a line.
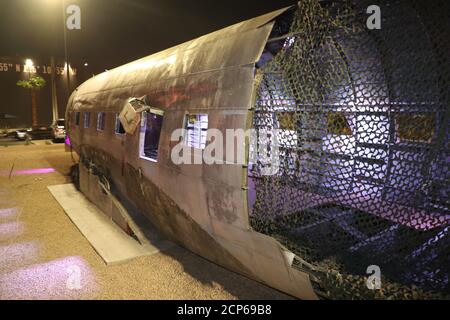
44,69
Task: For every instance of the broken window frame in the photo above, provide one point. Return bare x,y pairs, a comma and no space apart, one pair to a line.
118,126
143,134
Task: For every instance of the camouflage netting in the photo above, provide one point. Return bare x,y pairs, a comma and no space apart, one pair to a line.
363,119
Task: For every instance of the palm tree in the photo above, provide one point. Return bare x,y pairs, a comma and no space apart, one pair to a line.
35,83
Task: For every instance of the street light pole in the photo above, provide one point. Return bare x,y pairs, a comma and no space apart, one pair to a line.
54,94
66,58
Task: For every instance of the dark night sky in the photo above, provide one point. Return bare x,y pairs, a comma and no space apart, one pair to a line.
117,31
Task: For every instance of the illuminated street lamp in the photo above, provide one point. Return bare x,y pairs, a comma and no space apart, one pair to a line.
29,66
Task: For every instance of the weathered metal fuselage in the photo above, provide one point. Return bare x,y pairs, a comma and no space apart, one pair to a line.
202,207
360,132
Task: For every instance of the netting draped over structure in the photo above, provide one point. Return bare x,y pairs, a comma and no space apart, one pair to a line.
363,120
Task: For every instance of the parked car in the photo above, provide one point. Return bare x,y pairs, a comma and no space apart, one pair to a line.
41,132
59,129
23,134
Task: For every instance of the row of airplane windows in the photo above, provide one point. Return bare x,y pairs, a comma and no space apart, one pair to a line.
194,124
101,121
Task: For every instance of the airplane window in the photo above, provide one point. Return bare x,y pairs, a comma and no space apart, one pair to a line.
77,119
152,125
337,124
119,128
416,127
287,120
196,126
87,119
101,121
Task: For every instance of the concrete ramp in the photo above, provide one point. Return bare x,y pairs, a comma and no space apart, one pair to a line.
110,242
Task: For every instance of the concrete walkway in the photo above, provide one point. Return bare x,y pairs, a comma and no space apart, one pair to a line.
107,239
44,256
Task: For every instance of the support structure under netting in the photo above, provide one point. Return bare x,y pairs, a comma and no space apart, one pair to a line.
362,119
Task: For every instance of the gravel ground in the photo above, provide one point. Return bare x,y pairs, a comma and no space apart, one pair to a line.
44,256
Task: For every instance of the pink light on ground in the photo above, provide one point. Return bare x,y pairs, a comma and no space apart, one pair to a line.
17,255
67,278
67,141
33,171
8,214
10,230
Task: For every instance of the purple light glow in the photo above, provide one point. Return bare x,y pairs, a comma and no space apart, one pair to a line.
33,171
11,229
67,141
17,255
8,214
51,280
